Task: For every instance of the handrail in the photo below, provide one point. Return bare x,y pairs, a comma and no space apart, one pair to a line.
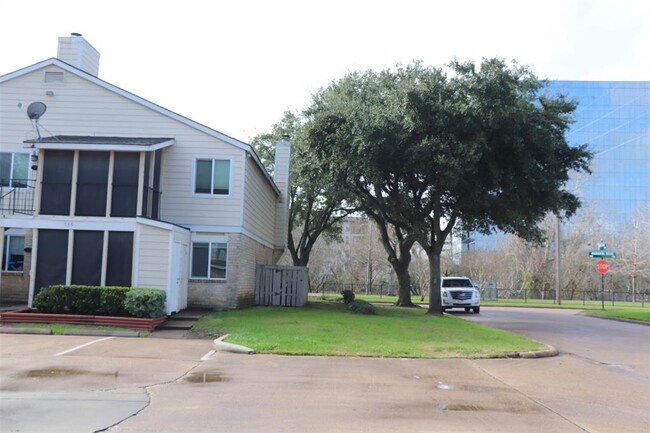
19,199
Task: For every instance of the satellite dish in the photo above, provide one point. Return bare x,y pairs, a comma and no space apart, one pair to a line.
36,110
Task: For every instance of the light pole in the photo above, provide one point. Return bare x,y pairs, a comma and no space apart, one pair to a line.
369,269
558,268
602,246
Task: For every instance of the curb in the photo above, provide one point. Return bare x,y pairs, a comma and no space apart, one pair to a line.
618,319
101,333
88,332
221,346
14,330
545,353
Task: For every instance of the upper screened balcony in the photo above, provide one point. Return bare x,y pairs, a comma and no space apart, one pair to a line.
93,177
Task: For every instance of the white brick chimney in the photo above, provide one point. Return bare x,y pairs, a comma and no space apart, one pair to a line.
76,51
281,179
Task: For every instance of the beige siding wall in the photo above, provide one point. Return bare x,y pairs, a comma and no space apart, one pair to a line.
153,257
79,107
239,288
259,204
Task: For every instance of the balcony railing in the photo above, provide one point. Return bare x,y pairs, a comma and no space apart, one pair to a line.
17,196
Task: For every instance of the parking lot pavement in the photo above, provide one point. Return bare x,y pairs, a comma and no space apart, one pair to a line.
67,412
266,393
81,384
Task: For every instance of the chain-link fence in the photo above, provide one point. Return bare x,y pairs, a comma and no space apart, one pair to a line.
380,289
611,297
584,296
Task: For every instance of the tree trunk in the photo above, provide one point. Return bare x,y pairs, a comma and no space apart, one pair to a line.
404,281
435,300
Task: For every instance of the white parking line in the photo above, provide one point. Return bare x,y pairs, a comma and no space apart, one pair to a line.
208,355
82,346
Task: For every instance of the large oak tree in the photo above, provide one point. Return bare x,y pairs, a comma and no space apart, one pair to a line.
431,149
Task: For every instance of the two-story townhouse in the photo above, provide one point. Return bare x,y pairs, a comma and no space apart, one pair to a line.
101,187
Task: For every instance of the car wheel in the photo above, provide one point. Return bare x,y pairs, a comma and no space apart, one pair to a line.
444,309
476,309
467,310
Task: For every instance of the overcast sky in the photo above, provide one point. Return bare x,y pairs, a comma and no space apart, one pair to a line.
237,65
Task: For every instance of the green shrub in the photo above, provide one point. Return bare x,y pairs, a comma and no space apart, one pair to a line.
51,300
87,300
361,307
82,299
111,302
145,302
348,296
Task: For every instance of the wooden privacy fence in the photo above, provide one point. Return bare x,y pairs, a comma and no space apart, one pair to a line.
281,285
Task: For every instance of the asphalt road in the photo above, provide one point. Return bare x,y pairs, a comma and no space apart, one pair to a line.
121,385
613,344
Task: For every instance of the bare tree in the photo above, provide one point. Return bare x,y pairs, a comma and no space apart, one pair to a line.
634,244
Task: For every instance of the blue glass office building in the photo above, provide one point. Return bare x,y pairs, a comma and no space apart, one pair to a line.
613,119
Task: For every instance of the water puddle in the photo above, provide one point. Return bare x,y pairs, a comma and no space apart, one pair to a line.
205,377
54,372
464,407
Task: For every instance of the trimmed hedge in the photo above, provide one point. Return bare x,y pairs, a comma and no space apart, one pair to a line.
99,301
145,302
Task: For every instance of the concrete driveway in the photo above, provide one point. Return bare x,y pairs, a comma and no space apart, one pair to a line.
85,384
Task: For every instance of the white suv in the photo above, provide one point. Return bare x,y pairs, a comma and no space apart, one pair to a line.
459,292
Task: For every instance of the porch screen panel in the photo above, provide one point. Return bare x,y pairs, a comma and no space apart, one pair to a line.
92,183
57,182
87,257
124,201
156,185
51,258
120,259
146,187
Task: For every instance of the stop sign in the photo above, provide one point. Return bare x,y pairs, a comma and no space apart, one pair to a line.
602,266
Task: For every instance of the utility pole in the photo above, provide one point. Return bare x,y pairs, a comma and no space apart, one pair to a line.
369,269
558,267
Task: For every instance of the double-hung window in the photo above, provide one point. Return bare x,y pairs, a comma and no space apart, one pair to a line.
13,254
209,260
14,169
212,176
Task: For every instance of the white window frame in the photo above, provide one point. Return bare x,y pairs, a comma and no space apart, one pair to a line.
209,239
213,158
5,253
12,168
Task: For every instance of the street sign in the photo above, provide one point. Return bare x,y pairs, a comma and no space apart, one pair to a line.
602,266
602,254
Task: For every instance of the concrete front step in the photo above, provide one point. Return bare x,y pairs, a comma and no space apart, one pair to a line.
189,315
177,324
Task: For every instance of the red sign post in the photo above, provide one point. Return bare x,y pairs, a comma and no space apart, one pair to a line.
602,266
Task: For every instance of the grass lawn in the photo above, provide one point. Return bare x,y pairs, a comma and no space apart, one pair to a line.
641,314
328,328
60,328
627,310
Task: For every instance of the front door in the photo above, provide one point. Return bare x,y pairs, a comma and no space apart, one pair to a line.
177,295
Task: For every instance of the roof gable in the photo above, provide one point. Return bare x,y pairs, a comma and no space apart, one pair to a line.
144,102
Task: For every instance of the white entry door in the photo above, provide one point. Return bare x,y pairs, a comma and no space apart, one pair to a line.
175,283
